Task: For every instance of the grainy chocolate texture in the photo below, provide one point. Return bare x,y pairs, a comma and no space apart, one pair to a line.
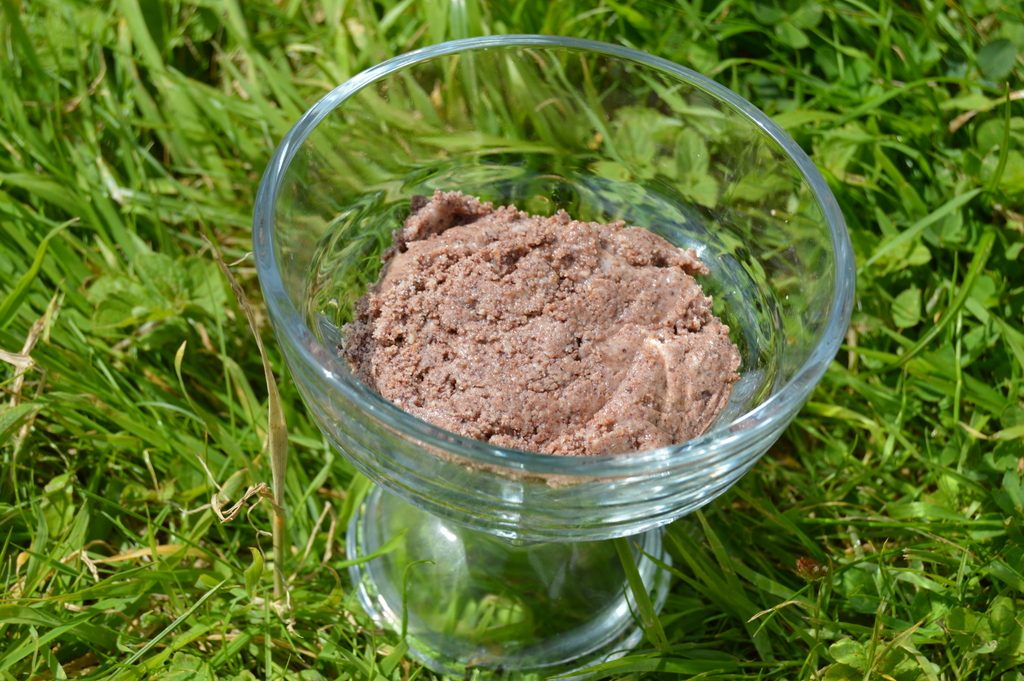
542,333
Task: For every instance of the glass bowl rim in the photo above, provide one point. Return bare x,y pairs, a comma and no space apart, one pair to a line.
737,434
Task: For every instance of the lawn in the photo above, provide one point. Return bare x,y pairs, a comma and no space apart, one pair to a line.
881,538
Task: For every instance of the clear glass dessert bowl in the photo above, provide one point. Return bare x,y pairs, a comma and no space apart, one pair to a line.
498,558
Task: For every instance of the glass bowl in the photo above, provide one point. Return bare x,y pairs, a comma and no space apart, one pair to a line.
606,133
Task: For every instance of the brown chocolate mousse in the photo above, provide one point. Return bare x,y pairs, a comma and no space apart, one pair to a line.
542,333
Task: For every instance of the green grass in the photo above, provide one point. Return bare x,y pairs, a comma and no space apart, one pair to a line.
881,538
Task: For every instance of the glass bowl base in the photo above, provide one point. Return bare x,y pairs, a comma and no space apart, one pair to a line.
470,601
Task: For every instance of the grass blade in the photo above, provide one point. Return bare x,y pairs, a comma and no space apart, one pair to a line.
649,620
277,432
981,255
912,232
138,654
12,303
